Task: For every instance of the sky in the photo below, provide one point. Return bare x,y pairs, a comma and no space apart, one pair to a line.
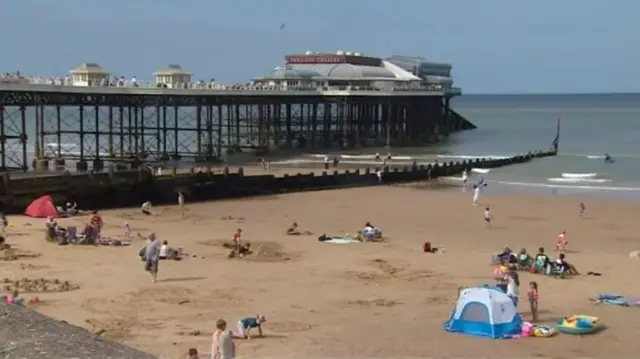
495,46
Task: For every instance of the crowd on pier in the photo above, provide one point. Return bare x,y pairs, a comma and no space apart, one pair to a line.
212,84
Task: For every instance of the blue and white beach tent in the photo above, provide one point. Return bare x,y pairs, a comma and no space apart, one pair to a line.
485,311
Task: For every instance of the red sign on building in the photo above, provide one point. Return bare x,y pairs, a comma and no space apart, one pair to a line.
317,59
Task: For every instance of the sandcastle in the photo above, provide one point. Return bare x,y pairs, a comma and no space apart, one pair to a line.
39,285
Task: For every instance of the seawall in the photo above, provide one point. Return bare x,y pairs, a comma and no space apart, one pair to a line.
116,189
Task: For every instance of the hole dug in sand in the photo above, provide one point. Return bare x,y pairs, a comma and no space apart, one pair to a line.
385,271
268,252
377,302
289,327
40,285
14,254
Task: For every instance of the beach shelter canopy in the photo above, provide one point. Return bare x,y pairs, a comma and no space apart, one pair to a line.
485,311
41,208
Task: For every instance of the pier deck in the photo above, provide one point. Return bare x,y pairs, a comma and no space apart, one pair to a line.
43,126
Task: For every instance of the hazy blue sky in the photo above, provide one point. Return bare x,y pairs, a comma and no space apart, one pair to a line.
495,46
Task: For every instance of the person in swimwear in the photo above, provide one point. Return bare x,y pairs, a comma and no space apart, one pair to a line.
293,230
561,241
487,217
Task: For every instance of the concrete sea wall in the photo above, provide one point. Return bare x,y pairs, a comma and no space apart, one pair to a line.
115,189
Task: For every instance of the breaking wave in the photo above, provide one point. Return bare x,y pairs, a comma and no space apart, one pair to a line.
578,180
579,175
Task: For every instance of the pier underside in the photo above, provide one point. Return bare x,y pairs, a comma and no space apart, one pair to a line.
129,129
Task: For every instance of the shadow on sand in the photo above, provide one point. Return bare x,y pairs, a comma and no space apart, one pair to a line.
181,279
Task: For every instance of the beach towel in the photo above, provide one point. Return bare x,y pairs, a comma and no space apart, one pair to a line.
337,239
615,299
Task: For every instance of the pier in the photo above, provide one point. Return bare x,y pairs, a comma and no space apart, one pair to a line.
93,121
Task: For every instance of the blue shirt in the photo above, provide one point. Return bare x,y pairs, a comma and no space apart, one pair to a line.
250,322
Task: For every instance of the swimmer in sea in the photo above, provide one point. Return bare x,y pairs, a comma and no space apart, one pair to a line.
608,158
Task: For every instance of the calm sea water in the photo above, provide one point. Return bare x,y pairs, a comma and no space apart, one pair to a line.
591,125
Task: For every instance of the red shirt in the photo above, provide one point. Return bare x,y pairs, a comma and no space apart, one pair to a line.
237,237
96,220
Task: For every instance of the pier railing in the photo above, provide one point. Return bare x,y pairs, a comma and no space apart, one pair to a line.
47,84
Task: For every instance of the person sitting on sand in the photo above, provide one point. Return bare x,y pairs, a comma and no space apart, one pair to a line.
146,208
563,267
524,260
293,230
246,324
541,262
370,232
14,298
167,252
71,208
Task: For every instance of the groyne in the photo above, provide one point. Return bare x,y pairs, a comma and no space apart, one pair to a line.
116,189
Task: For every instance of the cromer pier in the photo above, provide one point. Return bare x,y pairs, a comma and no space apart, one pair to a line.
90,120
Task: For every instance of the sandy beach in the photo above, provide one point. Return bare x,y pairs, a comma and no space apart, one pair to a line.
328,300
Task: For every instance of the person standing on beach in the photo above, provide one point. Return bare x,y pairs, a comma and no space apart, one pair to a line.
237,243
487,217
476,194
181,203
583,208
152,256
223,346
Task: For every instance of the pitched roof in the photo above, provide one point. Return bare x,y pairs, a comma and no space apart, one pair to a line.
89,67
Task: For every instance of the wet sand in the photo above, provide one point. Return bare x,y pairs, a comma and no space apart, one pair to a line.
358,300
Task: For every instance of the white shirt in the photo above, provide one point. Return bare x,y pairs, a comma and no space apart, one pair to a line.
476,192
379,174
465,176
223,344
164,250
368,229
146,206
512,288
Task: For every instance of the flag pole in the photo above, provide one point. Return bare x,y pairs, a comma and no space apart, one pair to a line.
556,141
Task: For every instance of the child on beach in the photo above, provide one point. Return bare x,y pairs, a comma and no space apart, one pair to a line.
533,295
513,286
127,230
487,217
476,194
561,242
582,209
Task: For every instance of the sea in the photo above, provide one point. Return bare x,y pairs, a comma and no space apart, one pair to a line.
591,125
